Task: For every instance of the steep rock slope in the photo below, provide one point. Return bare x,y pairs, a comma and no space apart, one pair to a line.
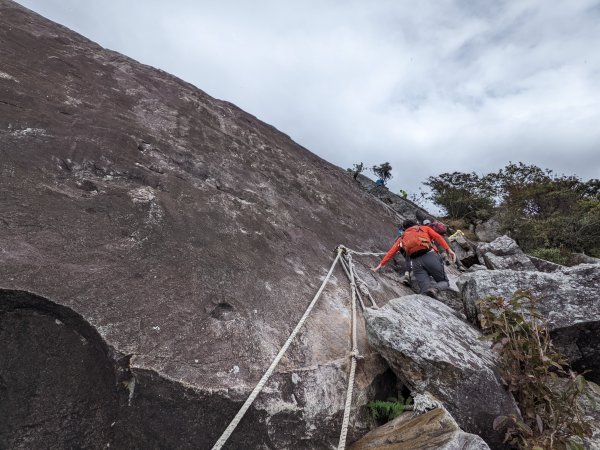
184,234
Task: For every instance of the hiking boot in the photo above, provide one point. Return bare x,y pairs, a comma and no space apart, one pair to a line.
405,280
433,293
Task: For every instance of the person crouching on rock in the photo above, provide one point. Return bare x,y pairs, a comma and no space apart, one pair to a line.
416,243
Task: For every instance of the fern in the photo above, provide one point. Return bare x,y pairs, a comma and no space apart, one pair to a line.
386,410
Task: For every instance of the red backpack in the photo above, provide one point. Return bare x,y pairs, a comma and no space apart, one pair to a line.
439,228
415,241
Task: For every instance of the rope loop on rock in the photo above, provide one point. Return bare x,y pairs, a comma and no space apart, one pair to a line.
344,255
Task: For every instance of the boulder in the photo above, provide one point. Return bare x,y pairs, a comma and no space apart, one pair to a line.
488,231
543,265
504,253
431,349
465,252
435,429
569,302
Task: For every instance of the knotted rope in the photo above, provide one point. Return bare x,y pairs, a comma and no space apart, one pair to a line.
353,355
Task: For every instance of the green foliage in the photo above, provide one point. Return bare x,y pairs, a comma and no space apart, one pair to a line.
547,391
384,411
544,210
462,195
540,209
555,255
383,171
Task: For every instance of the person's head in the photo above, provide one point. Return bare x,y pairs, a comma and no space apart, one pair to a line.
408,223
426,222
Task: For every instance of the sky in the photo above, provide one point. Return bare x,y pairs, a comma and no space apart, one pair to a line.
428,86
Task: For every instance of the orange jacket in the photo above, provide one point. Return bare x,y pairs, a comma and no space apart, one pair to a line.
433,235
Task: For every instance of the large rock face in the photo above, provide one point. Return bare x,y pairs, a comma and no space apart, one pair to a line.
458,369
187,234
570,301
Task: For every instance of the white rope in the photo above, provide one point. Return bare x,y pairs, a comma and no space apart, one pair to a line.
347,269
349,266
354,252
365,288
363,285
353,355
236,420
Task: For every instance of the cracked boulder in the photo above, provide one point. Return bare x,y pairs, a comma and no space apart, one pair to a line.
431,349
569,301
504,253
436,429
466,253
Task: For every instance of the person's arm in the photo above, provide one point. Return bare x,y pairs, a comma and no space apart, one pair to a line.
434,235
389,255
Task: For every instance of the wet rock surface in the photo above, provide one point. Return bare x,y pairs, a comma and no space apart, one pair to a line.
189,234
459,369
435,429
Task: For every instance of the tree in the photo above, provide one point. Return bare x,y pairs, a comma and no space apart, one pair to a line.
383,171
462,195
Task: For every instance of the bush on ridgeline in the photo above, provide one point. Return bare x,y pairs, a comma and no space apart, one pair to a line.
383,171
549,394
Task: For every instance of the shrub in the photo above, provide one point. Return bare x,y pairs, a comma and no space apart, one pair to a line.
539,377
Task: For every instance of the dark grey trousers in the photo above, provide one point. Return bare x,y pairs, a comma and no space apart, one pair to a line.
429,264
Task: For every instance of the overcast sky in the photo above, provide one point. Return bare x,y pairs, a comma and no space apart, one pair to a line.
430,86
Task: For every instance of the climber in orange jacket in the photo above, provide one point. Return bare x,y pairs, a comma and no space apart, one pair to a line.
416,244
